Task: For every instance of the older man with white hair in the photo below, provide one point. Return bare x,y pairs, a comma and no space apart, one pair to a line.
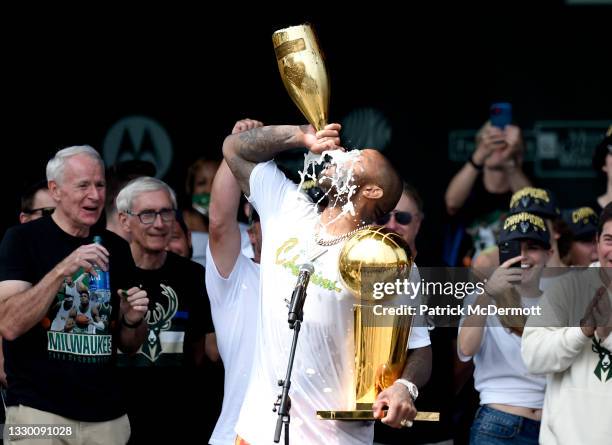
54,376
162,379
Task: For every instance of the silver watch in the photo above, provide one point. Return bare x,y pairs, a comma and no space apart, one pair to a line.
412,388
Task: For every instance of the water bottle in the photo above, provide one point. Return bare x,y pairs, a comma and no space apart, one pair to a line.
100,294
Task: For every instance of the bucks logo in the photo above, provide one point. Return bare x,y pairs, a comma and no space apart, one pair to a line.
605,361
159,320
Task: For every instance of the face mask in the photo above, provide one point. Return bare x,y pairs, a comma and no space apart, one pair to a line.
201,202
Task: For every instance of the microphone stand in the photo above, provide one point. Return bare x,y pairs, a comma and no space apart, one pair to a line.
294,318
283,402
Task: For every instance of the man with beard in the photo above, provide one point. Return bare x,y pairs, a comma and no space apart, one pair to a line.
293,233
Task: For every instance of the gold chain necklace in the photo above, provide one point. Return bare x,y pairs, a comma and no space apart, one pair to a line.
336,240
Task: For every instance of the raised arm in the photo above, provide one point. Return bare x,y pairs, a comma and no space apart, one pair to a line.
223,230
461,185
471,332
244,150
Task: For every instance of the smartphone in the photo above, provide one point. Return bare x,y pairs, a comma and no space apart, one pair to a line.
500,114
510,249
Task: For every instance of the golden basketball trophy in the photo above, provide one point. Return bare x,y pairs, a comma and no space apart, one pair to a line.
369,256
375,255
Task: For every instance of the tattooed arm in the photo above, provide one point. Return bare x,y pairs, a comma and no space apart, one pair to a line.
243,151
418,366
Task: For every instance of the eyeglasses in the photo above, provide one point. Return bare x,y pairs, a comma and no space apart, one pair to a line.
44,211
403,218
148,216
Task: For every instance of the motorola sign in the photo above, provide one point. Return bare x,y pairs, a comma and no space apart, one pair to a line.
140,138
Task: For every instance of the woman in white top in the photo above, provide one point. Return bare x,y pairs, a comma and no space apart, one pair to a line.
511,399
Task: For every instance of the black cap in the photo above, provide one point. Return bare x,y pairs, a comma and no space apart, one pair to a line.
537,201
582,222
525,226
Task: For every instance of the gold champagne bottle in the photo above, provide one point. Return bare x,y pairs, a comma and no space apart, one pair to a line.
303,72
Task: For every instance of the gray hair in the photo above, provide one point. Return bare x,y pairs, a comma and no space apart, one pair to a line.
136,187
56,165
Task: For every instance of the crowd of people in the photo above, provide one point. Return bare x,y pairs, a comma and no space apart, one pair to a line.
194,339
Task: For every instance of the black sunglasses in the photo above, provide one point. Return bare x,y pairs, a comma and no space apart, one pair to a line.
44,211
403,218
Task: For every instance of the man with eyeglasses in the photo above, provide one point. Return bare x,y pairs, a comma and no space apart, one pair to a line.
118,176
438,393
161,379
36,202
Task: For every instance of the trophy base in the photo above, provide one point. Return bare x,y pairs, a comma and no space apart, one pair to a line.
363,414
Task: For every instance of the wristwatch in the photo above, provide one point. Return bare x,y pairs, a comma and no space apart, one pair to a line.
412,388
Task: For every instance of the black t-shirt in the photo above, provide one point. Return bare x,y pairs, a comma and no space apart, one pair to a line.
65,363
161,379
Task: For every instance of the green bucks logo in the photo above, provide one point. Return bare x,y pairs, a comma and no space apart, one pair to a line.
605,361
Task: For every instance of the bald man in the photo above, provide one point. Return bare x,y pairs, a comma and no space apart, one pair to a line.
293,233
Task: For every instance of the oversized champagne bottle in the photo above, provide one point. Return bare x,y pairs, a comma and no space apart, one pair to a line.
303,72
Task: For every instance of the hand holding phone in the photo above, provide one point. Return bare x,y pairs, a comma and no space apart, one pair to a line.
508,250
500,114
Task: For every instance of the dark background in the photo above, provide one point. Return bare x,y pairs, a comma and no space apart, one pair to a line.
67,81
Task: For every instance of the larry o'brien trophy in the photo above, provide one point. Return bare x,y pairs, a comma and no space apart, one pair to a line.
303,72
375,255
371,255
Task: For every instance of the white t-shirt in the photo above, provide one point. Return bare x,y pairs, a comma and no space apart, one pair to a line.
233,302
199,244
500,375
322,376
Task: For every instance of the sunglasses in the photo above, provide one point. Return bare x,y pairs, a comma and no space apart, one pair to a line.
403,218
44,211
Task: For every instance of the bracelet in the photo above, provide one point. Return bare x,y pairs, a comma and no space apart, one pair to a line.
478,167
125,323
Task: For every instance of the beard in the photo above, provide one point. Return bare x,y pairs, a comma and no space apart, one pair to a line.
331,197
